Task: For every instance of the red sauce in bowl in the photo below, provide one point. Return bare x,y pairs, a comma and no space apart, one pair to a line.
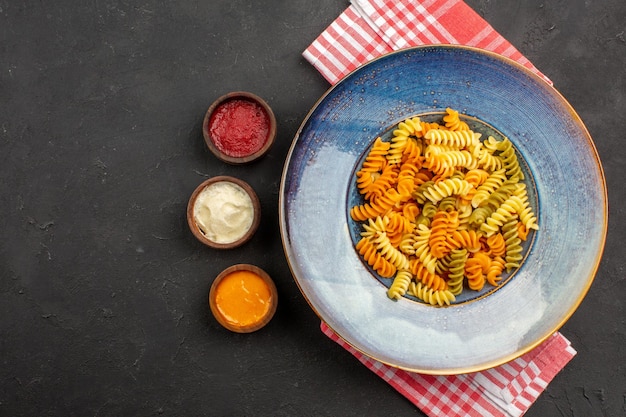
239,127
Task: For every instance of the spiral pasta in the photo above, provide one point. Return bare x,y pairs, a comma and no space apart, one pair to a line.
509,160
427,278
513,254
374,184
383,267
400,284
443,212
446,188
431,296
491,184
391,254
456,138
406,130
456,270
452,120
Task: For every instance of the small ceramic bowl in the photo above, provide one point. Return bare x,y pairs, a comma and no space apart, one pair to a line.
243,298
239,127
223,212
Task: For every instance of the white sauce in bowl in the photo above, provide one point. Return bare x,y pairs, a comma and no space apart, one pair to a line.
223,212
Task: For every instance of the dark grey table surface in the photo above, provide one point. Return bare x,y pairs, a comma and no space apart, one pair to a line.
102,286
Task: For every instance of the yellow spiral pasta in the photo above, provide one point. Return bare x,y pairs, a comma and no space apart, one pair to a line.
389,252
525,212
458,138
431,296
443,212
487,160
400,284
406,130
407,244
449,160
446,188
374,225
422,250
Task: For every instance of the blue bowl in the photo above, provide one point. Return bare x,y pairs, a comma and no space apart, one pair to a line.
566,188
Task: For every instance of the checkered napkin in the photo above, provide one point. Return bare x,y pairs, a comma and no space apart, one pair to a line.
364,31
370,28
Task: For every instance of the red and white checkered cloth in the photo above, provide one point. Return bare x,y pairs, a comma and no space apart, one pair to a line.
370,28
364,31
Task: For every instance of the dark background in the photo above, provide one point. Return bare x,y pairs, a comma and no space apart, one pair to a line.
102,286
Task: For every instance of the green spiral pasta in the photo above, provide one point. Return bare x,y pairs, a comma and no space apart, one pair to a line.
509,159
447,204
513,243
500,195
418,194
429,209
495,180
456,270
479,216
497,219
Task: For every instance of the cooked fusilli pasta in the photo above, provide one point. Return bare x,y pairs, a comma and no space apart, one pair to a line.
442,211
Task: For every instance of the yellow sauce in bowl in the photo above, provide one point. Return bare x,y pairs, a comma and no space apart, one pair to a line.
243,298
